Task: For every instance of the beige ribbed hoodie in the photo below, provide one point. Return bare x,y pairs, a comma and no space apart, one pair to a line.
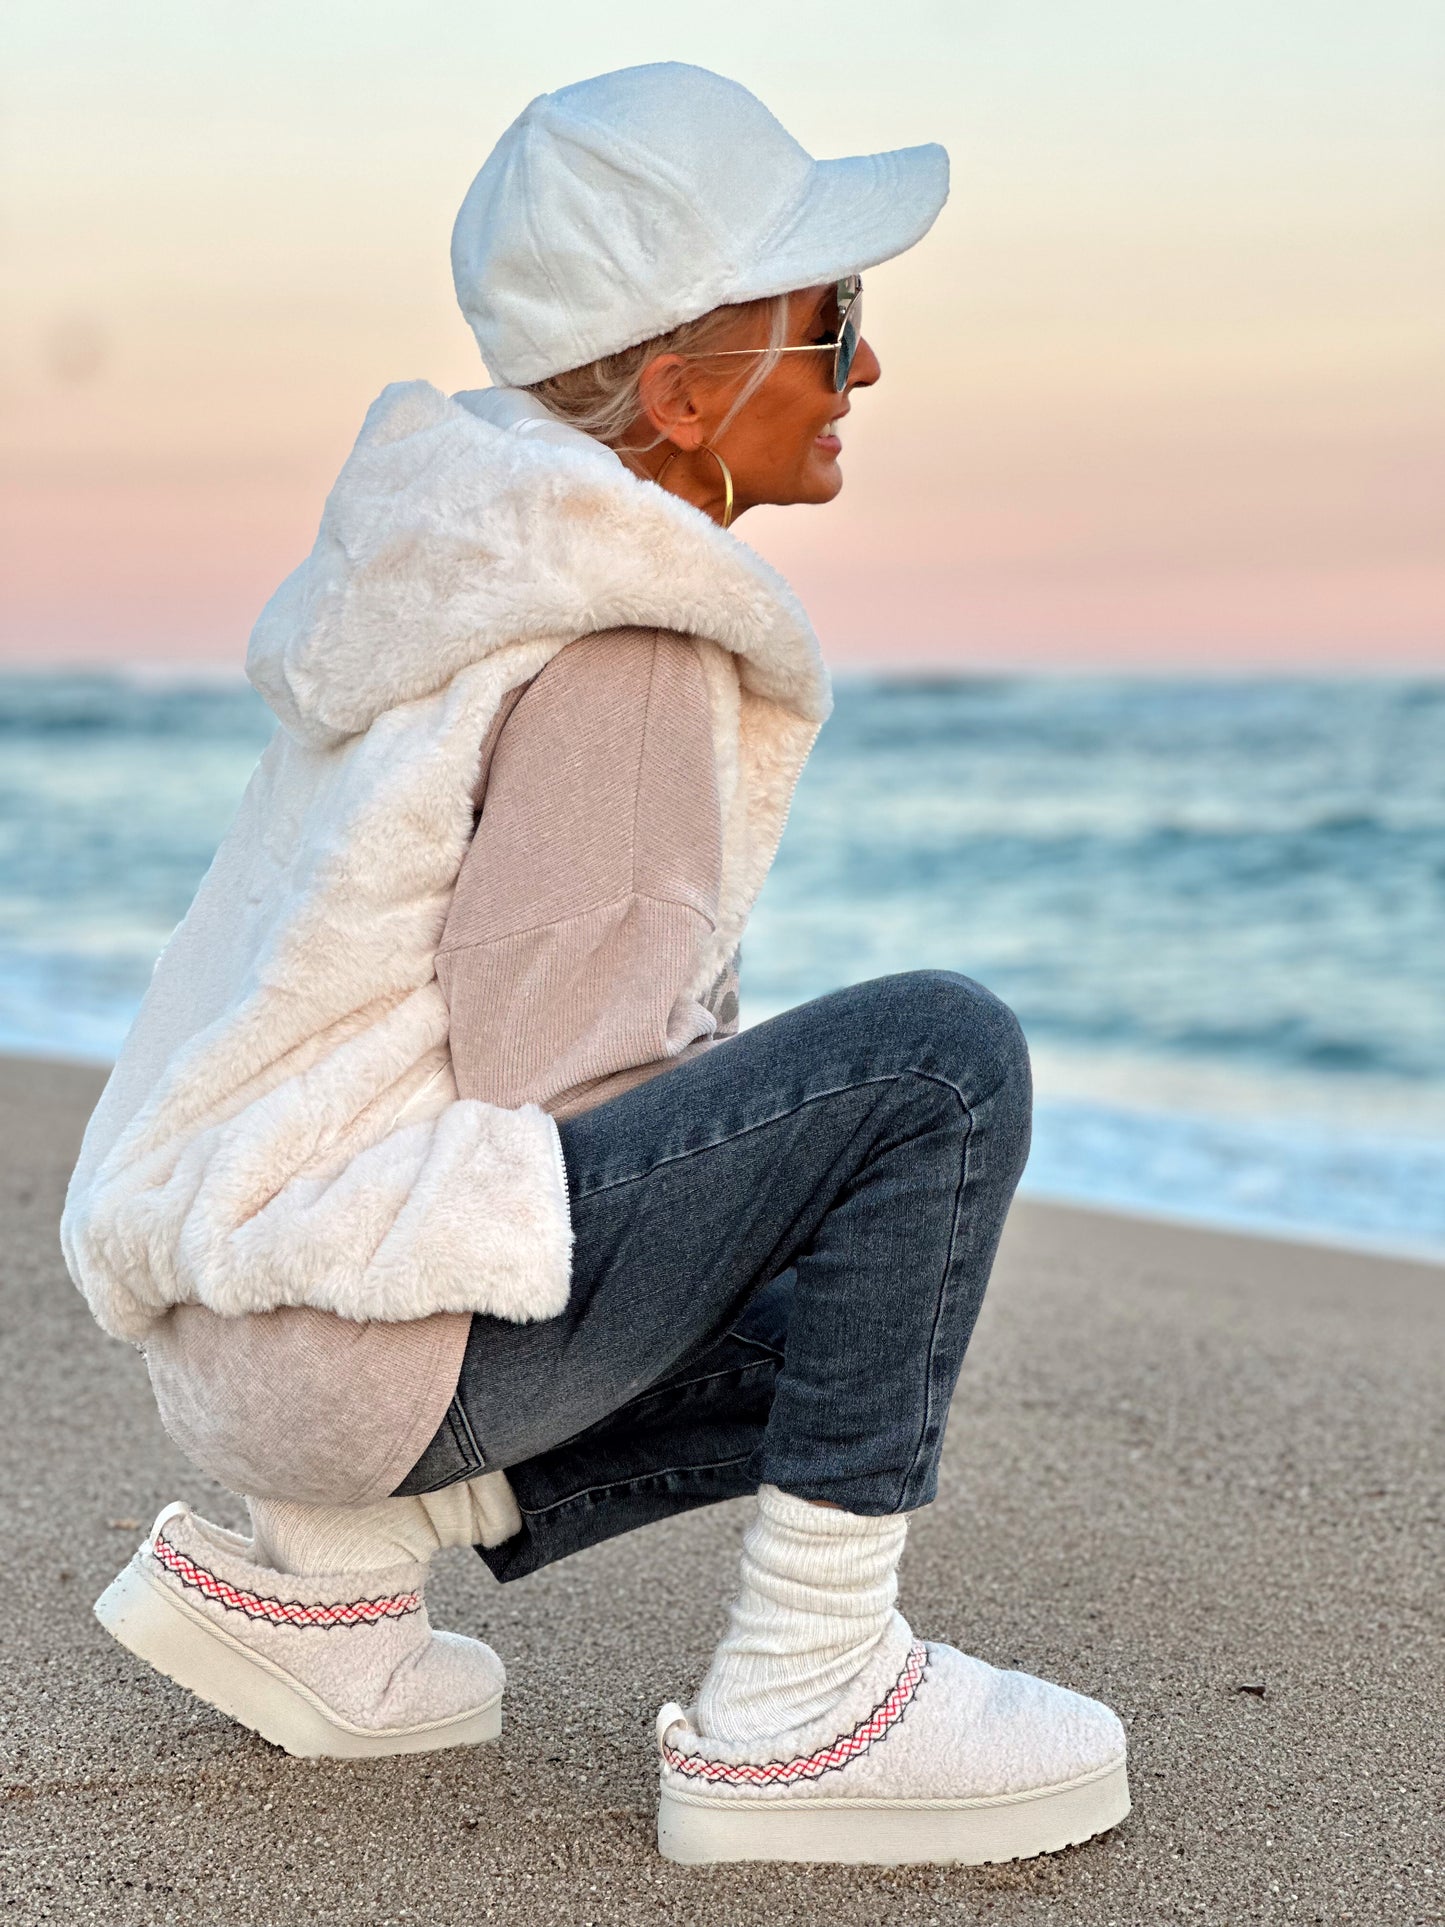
579,916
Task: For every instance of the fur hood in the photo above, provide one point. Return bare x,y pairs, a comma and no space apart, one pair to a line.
447,538
282,1126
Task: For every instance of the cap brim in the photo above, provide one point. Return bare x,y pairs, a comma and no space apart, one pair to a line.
854,214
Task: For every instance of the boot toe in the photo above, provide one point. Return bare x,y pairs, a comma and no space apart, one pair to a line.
1032,1733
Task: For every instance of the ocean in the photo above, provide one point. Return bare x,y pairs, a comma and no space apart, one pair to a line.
1218,906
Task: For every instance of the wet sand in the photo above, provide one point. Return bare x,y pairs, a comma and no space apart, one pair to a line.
1197,1475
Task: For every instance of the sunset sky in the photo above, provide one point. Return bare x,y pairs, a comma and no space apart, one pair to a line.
1165,387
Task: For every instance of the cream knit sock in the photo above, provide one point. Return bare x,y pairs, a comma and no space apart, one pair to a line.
818,1586
350,1538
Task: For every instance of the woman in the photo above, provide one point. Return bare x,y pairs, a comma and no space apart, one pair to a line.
421,1245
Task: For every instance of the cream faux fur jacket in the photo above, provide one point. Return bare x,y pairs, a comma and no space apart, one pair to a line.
282,1126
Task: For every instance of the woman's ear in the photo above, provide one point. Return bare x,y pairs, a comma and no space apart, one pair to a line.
666,389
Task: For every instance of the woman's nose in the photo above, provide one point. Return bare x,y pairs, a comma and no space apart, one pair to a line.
866,367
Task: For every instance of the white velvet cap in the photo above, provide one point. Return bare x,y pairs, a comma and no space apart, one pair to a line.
618,208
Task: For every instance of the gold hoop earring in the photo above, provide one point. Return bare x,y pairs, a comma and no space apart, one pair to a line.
727,476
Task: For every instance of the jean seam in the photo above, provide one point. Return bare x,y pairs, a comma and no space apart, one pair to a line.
962,1186
615,1485
757,1344
467,1445
731,1137
668,1386
667,1389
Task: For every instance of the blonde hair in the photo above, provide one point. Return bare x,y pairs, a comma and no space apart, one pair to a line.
604,398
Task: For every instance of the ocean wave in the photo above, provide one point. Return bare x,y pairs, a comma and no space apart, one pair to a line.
1287,1176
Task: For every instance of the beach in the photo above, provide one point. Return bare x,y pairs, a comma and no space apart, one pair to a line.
1195,1474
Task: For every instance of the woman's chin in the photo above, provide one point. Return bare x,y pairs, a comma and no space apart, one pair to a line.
819,481
823,477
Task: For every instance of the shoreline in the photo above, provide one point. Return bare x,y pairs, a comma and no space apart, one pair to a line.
1321,1239
1191,1472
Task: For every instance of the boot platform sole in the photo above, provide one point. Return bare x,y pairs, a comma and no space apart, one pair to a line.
698,1829
195,1652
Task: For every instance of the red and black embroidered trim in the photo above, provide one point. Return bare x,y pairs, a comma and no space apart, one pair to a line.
280,1612
828,1758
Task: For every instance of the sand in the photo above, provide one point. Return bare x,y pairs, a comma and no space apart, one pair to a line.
1197,1475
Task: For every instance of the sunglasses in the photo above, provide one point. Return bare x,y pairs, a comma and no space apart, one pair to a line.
842,344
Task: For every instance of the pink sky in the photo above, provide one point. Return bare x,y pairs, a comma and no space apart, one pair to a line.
1165,388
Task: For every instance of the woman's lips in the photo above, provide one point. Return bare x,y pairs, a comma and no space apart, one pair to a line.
829,441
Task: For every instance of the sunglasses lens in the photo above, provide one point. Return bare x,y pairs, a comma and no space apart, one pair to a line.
850,309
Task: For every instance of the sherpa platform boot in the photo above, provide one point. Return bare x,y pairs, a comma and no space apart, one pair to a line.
344,1665
930,1756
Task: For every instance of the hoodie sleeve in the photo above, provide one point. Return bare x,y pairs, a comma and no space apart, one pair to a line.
591,883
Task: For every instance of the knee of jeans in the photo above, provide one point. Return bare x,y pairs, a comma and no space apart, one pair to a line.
974,1033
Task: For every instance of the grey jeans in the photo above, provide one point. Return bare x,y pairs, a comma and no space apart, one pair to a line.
781,1247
